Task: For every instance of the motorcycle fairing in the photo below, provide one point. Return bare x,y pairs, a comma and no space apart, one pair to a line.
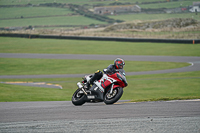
116,86
119,79
96,92
106,83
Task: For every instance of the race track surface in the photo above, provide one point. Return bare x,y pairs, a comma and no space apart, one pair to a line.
122,117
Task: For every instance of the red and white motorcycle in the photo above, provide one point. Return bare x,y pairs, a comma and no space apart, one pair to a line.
108,89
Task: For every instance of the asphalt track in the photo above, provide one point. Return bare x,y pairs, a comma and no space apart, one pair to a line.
62,116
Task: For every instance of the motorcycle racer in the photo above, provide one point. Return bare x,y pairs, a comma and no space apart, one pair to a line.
118,64
111,69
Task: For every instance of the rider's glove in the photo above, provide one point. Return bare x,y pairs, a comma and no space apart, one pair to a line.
108,71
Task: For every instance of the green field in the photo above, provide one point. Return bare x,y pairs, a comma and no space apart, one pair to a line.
68,20
17,12
82,2
174,4
133,17
141,87
164,87
34,16
18,2
53,46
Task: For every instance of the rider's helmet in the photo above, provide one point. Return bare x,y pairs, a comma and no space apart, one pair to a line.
119,63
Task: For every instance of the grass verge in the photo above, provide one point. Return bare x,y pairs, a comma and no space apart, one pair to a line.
141,88
10,66
55,46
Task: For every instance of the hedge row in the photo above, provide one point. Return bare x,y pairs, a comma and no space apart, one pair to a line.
183,41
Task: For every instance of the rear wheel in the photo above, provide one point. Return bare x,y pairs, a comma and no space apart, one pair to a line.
114,96
78,97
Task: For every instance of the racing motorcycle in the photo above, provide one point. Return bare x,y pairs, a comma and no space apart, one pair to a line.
113,83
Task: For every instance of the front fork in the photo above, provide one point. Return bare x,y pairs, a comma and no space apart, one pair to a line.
111,90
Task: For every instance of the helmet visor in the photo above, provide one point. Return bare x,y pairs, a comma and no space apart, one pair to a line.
121,66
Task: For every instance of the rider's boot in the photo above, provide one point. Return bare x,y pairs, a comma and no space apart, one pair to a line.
98,74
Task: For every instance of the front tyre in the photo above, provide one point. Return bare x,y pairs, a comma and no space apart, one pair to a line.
114,97
78,97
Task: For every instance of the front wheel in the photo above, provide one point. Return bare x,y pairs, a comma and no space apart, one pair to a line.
114,96
78,97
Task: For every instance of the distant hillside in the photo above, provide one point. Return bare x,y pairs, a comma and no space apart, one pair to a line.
77,18
170,23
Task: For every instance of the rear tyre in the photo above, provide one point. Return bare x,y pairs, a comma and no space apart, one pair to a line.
114,97
78,97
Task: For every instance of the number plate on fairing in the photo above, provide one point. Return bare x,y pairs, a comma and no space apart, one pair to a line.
91,97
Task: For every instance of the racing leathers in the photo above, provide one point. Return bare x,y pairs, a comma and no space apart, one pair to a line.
98,75
110,69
